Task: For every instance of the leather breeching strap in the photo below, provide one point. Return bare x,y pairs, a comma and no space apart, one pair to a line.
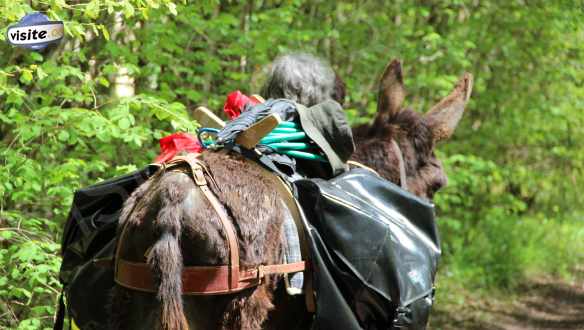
402,165
200,280
301,226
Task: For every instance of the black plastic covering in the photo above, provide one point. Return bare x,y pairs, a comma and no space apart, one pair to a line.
375,249
89,235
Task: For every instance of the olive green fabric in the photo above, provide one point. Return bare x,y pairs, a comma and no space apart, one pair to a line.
326,124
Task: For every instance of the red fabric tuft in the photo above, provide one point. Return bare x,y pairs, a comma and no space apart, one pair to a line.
235,103
171,145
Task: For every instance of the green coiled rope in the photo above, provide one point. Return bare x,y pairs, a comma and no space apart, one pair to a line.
271,138
288,139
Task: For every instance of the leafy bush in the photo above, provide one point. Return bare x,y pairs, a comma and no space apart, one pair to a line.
60,129
28,277
490,240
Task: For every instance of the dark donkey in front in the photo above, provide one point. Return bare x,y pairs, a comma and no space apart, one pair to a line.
170,224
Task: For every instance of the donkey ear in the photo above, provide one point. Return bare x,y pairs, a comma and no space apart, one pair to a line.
444,116
391,89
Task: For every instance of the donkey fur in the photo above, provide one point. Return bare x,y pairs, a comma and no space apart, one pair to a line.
172,224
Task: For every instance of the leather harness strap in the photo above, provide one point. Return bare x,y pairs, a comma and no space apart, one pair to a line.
401,163
301,226
357,164
402,166
201,280
199,177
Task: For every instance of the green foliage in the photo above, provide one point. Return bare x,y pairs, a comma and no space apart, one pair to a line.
128,72
62,127
490,237
28,276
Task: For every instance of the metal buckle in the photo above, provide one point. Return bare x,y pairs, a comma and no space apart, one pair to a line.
261,274
199,176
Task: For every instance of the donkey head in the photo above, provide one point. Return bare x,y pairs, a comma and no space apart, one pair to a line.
416,134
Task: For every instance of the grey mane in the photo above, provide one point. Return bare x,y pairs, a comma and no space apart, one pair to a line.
302,78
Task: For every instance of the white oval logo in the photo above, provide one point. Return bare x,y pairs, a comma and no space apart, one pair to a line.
35,31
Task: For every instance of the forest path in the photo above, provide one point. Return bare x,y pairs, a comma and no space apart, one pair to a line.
542,303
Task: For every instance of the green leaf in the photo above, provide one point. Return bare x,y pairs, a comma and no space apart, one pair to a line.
124,123
26,77
63,136
172,8
41,73
128,9
36,56
103,81
92,9
105,32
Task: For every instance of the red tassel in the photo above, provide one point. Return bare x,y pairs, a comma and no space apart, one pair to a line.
171,145
235,104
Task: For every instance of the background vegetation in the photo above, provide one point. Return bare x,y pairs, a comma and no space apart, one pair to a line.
129,72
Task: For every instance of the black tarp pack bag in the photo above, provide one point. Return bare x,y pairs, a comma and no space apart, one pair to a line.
375,250
88,243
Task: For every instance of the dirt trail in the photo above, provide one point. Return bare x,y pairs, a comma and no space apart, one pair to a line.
541,304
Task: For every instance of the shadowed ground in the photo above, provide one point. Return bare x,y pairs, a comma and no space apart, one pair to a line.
543,303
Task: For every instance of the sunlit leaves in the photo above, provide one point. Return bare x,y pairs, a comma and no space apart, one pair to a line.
60,129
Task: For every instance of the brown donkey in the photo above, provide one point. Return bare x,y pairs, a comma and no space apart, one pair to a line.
170,223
